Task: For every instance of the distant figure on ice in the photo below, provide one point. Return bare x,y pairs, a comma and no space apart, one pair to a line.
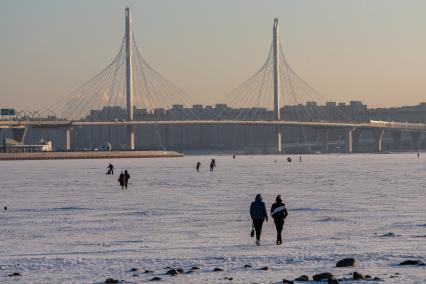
258,215
289,159
279,213
212,165
110,168
126,178
418,154
300,159
233,156
198,166
122,180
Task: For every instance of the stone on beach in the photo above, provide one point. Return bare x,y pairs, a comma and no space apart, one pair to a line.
412,262
325,276
172,272
358,276
347,262
302,278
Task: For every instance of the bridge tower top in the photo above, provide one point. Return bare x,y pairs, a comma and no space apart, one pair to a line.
276,71
129,69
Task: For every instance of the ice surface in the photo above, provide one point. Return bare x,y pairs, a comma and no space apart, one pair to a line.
68,222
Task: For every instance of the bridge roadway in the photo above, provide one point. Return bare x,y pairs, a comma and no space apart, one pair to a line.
389,125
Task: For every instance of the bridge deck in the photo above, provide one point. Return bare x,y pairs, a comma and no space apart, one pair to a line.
320,124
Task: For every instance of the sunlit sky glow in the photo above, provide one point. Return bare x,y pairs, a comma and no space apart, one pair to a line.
374,51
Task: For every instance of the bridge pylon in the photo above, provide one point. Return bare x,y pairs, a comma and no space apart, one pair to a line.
276,78
129,80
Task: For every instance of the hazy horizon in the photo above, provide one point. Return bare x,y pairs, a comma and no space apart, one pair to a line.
351,50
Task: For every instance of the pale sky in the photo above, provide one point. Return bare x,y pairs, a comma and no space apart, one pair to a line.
374,51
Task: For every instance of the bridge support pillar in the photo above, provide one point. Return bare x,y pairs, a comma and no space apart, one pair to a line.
415,138
279,139
348,141
324,141
68,139
377,136
355,140
131,132
396,137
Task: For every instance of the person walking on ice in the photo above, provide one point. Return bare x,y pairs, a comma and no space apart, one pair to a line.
197,167
110,169
279,213
122,180
258,215
126,178
212,164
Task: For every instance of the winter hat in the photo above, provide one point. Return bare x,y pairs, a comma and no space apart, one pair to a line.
278,199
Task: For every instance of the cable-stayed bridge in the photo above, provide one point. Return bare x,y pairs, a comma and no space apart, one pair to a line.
129,92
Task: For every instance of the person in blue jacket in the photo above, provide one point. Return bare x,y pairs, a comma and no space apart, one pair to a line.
258,215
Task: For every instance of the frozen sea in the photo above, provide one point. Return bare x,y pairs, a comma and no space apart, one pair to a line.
68,222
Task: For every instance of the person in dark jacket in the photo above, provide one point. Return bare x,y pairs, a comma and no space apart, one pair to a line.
126,178
110,168
198,166
279,213
122,180
212,164
258,215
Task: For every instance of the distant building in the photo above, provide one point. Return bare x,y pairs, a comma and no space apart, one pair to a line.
11,145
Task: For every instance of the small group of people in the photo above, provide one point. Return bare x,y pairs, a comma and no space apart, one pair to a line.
212,165
259,215
123,178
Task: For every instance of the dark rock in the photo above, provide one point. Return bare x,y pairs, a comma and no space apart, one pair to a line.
377,279
148,271
358,276
172,272
412,262
288,281
367,276
247,266
111,280
135,275
217,269
156,279
325,276
229,278
394,276
264,268
5,208
388,235
180,270
15,274
133,269
195,268
347,262
302,278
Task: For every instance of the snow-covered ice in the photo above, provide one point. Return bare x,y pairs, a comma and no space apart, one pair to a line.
68,222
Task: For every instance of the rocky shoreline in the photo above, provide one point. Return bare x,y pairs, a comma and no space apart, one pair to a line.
168,273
